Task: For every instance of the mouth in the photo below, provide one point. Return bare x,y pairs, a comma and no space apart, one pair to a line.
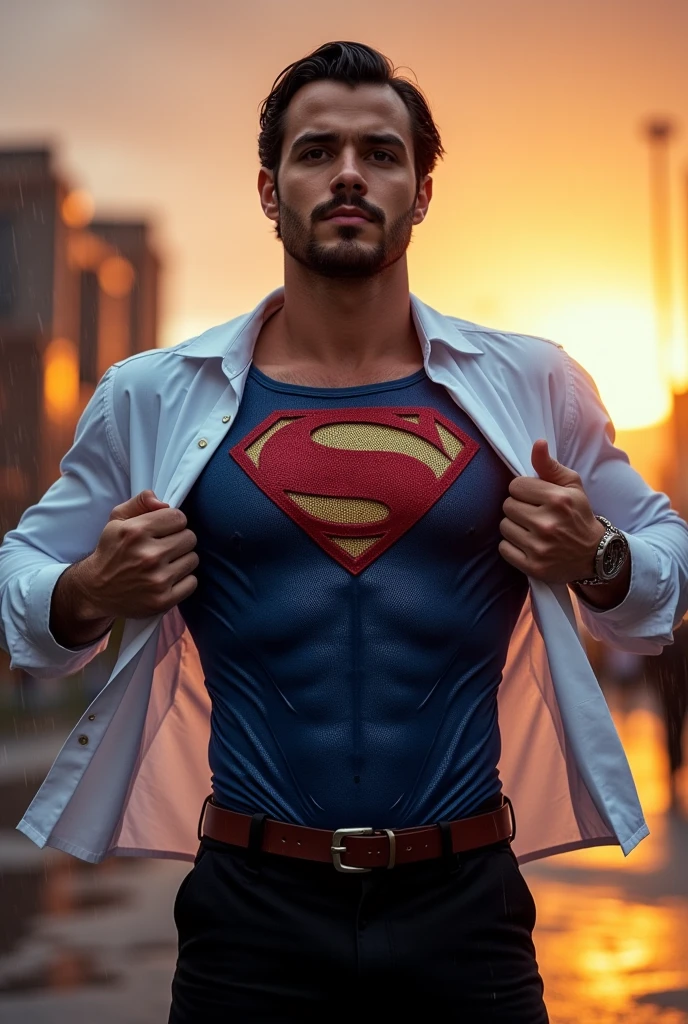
349,215
344,218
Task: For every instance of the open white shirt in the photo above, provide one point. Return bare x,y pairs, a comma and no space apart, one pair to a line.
132,776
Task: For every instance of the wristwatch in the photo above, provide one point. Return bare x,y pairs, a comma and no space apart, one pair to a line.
610,557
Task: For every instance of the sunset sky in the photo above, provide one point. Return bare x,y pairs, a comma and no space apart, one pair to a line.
540,220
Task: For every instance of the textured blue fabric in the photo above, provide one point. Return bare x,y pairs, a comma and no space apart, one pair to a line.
342,699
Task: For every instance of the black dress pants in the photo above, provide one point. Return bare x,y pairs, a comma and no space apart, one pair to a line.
271,939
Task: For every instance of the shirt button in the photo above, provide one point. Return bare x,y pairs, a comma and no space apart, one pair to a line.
226,419
83,740
91,718
202,443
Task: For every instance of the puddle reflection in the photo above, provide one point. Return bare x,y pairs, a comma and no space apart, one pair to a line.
40,889
598,954
611,932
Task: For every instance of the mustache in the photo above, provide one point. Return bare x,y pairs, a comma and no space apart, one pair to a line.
327,208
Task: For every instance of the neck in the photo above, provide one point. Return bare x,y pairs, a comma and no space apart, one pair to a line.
342,325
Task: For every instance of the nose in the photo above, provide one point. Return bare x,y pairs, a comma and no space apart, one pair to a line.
348,178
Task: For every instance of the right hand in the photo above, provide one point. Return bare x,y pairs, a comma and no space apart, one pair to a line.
143,562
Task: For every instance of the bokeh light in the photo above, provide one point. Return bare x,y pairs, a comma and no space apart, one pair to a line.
77,208
61,379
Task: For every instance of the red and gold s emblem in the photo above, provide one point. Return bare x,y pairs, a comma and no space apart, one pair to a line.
355,479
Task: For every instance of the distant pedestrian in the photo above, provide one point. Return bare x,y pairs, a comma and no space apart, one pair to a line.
667,675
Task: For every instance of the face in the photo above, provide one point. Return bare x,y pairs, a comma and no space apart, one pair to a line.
342,148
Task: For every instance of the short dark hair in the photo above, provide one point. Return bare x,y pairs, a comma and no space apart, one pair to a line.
355,64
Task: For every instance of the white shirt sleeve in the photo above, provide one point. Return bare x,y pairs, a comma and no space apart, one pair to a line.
657,598
60,529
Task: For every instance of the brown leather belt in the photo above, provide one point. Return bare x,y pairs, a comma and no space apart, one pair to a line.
359,849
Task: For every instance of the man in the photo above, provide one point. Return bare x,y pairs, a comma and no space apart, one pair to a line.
347,565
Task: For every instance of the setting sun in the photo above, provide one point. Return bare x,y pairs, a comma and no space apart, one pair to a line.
614,339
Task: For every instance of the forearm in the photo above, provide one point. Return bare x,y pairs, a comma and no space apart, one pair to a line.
73,619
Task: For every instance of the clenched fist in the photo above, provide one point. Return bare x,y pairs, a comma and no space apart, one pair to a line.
143,562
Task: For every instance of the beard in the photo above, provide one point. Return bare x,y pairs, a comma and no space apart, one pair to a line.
348,257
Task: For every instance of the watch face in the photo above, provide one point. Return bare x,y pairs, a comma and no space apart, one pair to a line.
613,557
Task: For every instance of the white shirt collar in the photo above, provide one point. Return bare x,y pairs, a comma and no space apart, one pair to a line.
234,340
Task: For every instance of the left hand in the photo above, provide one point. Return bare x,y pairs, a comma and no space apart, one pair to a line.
550,531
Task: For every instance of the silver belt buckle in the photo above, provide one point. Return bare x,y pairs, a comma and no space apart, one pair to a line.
337,849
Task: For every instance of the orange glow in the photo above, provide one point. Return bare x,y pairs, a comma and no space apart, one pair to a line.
78,208
678,356
652,451
116,276
614,339
599,953
61,379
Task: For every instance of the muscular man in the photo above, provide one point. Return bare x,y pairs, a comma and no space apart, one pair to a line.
389,498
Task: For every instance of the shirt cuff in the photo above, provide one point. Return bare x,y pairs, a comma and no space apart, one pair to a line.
37,619
640,601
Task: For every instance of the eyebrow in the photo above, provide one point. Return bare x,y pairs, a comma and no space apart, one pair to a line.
369,138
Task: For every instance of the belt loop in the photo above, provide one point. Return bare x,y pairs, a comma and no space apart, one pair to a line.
513,818
255,842
200,820
451,860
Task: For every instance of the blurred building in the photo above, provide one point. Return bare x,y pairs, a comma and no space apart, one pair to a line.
76,295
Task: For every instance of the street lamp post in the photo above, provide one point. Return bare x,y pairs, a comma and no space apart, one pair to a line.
659,132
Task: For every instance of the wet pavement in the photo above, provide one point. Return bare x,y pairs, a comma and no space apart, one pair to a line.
97,942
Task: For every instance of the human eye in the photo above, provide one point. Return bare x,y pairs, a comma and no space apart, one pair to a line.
309,152
383,152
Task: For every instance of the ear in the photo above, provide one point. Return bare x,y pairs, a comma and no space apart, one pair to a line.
268,193
423,199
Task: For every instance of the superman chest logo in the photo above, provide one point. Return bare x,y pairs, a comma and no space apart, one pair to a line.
355,479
